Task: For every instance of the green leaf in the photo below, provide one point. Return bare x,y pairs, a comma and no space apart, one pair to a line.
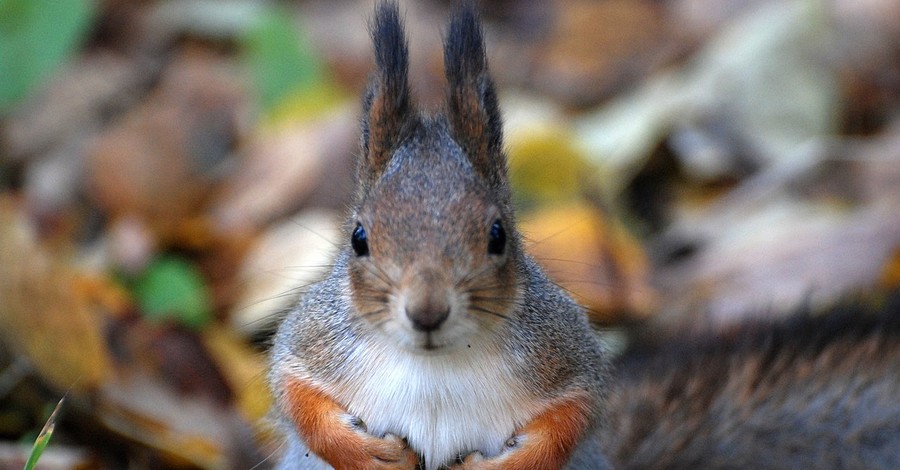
35,37
44,437
282,63
172,288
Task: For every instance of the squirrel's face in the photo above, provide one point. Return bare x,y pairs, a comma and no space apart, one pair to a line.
433,250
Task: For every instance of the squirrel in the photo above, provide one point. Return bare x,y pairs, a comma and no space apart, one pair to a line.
436,341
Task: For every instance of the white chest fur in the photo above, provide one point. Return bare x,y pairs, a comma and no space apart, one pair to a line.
445,405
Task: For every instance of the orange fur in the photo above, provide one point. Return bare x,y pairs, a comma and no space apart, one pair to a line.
384,125
324,426
470,120
546,442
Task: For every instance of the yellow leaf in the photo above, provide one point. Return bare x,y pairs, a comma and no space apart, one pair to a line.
593,258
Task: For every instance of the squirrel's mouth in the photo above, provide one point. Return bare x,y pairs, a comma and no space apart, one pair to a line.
454,333
428,344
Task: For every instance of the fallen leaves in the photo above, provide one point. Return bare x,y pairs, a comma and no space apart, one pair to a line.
159,163
157,385
674,163
45,316
594,259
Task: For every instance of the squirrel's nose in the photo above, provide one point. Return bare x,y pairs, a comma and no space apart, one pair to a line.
427,304
428,316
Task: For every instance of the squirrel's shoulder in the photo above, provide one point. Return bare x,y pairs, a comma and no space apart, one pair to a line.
321,322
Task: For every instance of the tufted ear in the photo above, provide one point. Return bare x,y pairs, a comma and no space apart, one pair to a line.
472,103
386,104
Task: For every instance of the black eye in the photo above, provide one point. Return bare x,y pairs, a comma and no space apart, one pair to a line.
497,239
359,241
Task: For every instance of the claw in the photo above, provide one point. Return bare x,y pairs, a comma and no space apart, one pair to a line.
474,457
396,439
392,452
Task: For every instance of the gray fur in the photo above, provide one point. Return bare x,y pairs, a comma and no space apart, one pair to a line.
548,342
810,392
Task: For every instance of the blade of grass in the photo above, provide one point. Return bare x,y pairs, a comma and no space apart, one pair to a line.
44,437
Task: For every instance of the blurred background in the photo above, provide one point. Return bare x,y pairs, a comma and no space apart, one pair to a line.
173,173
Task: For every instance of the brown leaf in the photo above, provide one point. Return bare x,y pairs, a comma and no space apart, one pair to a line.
46,315
596,47
174,391
159,163
243,368
283,166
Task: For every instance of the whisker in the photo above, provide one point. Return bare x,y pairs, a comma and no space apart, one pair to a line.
471,276
580,299
377,272
373,313
271,454
488,311
330,240
484,288
293,292
572,261
384,275
615,285
380,297
491,299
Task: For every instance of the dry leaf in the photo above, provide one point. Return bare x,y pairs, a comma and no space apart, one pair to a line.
806,232
595,47
160,162
597,262
285,259
174,390
244,370
45,314
283,165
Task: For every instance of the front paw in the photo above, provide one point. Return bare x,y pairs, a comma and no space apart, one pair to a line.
477,461
388,453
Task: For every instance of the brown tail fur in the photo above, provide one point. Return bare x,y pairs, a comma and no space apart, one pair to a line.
812,392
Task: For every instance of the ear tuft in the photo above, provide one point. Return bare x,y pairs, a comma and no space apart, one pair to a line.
464,56
472,104
386,105
391,52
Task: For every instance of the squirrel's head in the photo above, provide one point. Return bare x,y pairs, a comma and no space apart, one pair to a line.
433,252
